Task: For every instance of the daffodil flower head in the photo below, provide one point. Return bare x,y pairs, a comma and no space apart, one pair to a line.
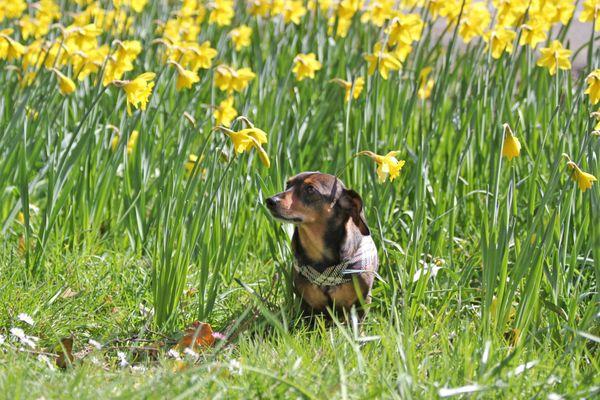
584,180
240,36
593,89
591,13
224,113
383,61
185,78
248,138
351,89
10,49
425,85
387,165
511,146
229,79
222,12
66,86
554,57
305,66
138,90
191,162
500,40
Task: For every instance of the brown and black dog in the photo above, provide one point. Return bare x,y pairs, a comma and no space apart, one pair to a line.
334,251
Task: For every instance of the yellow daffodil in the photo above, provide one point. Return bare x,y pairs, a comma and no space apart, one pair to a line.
121,60
387,166
425,85
114,142
559,11
554,57
12,9
10,49
222,12
305,66
81,37
383,61
591,13
584,180
476,18
511,147
88,62
500,40
401,51
593,89
259,7
378,11
185,78
240,37
510,11
344,13
249,138
191,163
133,138
65,85
534,32
196,56
229,79
225,112
359,84
293,11
138,90
135,5
405,28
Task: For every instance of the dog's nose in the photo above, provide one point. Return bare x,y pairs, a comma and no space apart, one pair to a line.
271,202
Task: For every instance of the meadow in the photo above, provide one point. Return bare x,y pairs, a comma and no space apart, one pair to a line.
139,140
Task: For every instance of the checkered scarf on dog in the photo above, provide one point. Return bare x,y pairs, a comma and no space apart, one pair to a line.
364,257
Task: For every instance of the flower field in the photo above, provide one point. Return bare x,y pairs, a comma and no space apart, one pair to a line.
139,140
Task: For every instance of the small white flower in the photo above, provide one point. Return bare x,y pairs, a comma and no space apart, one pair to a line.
122,359
427,268
191,353
19,333
523,367
146,311
2,339
94,360
174,354
96,345
26,318
235,367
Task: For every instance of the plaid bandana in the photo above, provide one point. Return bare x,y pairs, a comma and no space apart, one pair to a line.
364,257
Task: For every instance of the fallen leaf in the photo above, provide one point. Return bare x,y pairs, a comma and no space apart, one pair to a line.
68,293
65,353
197,334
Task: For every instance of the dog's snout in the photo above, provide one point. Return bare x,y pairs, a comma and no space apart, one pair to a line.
271,202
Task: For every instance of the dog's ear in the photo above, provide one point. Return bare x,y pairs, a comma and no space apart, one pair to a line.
351,202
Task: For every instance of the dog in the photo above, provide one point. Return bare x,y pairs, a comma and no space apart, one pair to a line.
336,258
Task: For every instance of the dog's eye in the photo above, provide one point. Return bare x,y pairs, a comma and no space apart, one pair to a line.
310,190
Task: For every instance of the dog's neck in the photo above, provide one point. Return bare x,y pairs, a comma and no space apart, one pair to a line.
322,247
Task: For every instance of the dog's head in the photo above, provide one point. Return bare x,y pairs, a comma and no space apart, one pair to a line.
316,198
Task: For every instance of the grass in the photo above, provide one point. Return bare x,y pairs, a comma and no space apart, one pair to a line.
126,248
